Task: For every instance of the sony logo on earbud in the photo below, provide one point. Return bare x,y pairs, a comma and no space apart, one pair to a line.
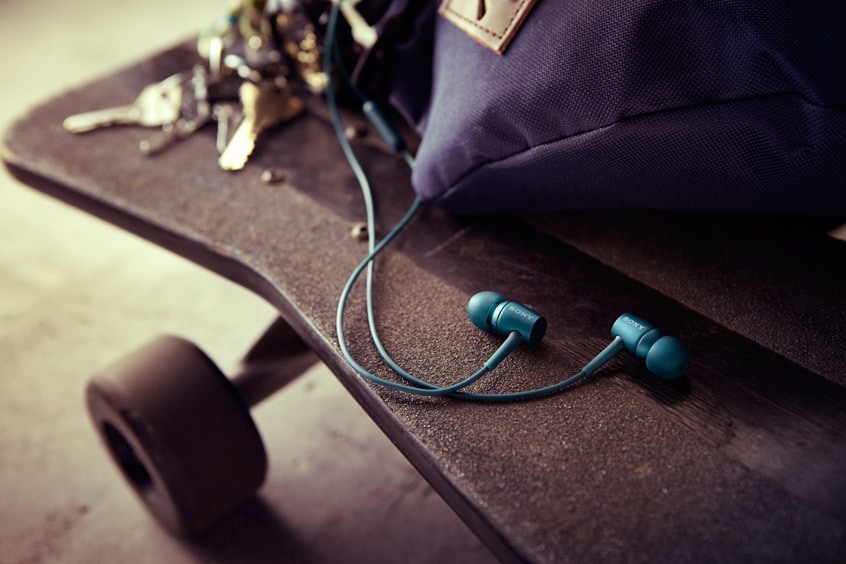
520,312
634,323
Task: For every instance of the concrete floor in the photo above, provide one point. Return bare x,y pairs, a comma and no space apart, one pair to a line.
75,294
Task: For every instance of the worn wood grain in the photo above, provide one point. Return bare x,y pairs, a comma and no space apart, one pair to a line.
742,460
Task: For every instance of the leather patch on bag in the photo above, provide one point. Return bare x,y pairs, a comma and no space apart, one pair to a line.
493,23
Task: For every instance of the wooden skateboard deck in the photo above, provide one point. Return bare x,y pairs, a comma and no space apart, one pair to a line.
745,459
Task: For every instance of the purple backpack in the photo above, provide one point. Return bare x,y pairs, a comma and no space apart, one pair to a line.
721,105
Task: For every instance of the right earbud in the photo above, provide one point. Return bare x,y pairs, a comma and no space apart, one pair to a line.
665,356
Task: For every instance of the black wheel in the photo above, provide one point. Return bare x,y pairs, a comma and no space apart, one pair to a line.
180,433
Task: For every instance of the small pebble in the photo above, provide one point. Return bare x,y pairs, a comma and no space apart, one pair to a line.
274,176
359,231
355,131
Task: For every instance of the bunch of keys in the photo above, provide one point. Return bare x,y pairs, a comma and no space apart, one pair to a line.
185,102
181,107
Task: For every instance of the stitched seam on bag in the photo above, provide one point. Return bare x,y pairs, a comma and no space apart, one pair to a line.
788,93
483,28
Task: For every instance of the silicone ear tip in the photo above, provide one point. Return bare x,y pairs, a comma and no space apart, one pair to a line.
668,358
480,306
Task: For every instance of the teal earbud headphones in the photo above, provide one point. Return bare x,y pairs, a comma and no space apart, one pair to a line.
665,356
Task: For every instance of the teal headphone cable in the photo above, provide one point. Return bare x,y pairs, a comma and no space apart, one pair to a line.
369,261
331,62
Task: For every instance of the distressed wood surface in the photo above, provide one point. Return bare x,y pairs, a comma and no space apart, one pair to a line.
742,460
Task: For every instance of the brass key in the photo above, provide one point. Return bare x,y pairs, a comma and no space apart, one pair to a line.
156,105
264,105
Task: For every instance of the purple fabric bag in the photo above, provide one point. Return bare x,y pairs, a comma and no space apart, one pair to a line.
721,105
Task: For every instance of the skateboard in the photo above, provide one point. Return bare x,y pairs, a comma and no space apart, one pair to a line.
744,456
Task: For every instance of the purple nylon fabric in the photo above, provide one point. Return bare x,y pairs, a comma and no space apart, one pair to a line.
709,106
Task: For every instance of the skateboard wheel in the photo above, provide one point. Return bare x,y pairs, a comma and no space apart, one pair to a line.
179,432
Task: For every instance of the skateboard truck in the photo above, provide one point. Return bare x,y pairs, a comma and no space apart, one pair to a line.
181,432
